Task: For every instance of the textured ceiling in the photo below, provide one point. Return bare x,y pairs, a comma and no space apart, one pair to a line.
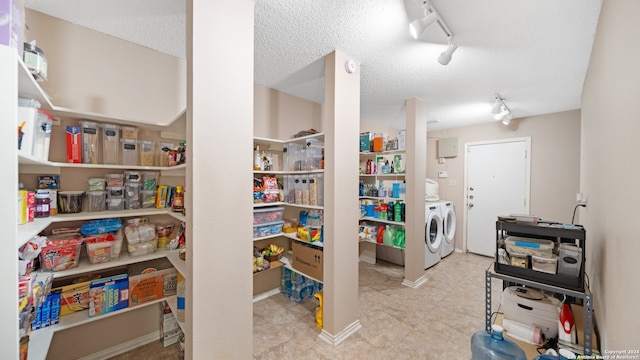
533,53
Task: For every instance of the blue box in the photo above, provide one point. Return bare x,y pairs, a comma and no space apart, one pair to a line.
365,142
108,294
55,306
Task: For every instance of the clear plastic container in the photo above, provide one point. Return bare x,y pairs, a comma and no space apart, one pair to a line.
297,189
44,124
267,215
61,252
95,184
493,346
115,198
147,199
129,152
114,179
99,247
110,143
132,195
70,202
89,142
149,180
96,201
147,154
132,176
163,153
129,132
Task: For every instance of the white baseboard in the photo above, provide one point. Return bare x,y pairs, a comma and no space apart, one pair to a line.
266,294
415,284
124,347
335,340
460,251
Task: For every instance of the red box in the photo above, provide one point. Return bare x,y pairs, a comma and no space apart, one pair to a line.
74,145
31,198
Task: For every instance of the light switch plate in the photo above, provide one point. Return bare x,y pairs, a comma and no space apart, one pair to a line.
442,174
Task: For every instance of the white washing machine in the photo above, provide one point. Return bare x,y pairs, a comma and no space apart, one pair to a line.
448,227
432,235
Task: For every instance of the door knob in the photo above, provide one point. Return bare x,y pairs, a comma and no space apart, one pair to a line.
470,196
470,205
470,189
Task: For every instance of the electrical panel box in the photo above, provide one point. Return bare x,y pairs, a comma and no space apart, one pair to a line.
448,147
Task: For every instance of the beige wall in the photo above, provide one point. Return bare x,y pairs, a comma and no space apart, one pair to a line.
555,159
279,115
93,72
610,172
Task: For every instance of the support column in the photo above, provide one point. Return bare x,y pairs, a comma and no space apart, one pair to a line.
341,125
219,311
416,173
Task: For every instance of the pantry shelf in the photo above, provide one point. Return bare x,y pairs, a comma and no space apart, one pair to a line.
259,205
280,172
267,237
377,243
179,264
401,223
272,266
173,305
305,206
124,259
40,340
27,231
384,199
31,161
382,175
293,236
372,153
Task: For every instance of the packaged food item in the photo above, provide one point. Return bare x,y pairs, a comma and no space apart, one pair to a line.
115,198
151,280
74,145
132,195
99,247
141,237
108,294
129,132
147,153
163,153
148,199
271,190
114,179
149,180
70,202
100,226
61,252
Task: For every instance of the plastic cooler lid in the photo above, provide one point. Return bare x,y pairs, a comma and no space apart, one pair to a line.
268,209
269,223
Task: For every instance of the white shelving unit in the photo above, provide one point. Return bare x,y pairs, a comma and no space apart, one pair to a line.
276,146
27,87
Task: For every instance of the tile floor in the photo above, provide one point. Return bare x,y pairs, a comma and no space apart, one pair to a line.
435,321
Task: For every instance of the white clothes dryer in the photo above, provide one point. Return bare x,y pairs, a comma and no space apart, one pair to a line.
432,235
448,212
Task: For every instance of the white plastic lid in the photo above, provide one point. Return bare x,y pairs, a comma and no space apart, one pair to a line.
497,328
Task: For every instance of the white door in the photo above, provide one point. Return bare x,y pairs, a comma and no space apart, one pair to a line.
496,183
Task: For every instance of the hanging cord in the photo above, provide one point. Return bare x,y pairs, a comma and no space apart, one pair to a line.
574,212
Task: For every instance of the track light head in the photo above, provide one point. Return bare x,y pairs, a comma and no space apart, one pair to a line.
506,119
445,57
418,26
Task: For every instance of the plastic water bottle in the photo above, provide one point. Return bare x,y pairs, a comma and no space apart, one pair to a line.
493,346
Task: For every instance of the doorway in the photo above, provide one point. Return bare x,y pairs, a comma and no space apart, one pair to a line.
496,182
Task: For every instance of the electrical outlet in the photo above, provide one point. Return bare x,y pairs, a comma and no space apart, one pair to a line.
441,160
581,199
442,174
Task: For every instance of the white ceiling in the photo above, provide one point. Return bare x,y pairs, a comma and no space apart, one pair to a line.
533,53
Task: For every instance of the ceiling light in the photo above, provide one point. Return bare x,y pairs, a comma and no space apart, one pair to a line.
501,111
418,26
445,57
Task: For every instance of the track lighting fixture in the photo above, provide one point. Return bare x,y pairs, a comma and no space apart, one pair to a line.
431,16
500,110
418,26
445,57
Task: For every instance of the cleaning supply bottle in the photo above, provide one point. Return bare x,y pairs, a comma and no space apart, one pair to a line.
493,346
318,296
566,325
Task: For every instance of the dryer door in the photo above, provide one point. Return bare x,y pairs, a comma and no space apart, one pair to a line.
433,230
449,229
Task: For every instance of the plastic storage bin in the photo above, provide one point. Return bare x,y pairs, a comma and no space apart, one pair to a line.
519,260
131,176
267,215
267,229
149,180
61,252
544,264
129,152
96,184
96,201
147,199
132,195
110,143
89,142
147,154
129,132
115,198
114,179
99,247
141,237
70,202
529,246
569,260
163,153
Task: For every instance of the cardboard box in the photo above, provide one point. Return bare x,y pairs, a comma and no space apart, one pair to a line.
169,327
12,26
307,259
151,280
365,142
108,294
74,291
74,144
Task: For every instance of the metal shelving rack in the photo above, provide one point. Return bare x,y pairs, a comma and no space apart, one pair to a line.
586,296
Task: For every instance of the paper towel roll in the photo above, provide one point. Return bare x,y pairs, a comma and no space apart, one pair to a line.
523,332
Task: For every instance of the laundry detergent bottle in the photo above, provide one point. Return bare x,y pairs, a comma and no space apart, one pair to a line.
493,346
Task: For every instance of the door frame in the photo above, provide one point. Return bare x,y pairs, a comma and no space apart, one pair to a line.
527,140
